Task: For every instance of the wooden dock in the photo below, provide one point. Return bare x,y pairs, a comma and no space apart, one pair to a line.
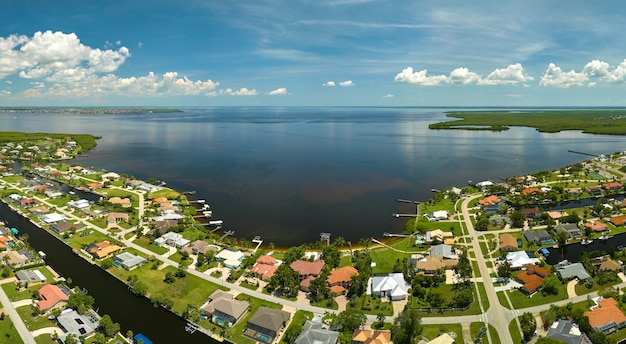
404,215
227,233
408,201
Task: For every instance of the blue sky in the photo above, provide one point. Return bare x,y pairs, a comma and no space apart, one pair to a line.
324,52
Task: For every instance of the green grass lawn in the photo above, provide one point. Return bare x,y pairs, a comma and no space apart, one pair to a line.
515,331
188,290
17,295
433,331
77,241
145,243
167,193
371,305
298,320
44,339
502,298
446,290
49,276
521,300
33,322
328,303
9,333
247,285
177,257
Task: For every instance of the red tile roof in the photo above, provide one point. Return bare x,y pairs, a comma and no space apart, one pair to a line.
50,295
619,220
606,312
342,275
531,191
597,226
266,271
268,260
306,268
490,200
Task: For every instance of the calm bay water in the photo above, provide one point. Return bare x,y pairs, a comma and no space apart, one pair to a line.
288,174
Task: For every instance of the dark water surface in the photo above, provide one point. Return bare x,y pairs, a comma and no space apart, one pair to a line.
111,295
288,174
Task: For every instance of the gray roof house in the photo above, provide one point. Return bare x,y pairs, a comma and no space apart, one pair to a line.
81,325
313,333
538,236
265,324
443,250
30,276
128,260
568,332
576,270
223,309
571,228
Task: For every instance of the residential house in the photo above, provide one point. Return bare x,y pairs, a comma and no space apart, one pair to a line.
50,296
163,226
618,220
576,270
223,309
500,220
172,239
614,186
508,243
484,184
556,215
39,210
568,332
27,203
520,259
102,249
82,325
571,229
371,337
532,278
94,186
124,202
596,226
594,190
532,191
610,265
443,250
128,260
14,259
607,317
265,324
30,277
392,286
313,333
443,339
574,192
432,265
307,269
65,226
491,204
531,213
339,279
115,218
265,267
80,204
438,235
438,215
539,236
110,176
200,246
168,215
230,258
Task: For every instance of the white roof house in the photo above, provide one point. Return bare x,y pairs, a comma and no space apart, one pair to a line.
128,260
80,204
230,259
172,239
484,184
520,259
168,214
52,218
392,286
438,215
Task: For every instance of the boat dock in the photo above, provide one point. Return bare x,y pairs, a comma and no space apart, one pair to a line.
227,233
404,215
408,201
257,240
582,153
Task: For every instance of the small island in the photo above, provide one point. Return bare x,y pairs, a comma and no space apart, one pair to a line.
606,122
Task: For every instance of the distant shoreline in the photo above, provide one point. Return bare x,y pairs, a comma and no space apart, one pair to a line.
86,110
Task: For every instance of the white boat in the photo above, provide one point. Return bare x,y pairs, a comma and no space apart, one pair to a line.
586,241
605,237
42,254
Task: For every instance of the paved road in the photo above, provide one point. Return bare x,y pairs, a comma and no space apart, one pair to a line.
27,337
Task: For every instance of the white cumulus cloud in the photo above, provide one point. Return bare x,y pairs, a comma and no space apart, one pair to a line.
389,95
329,84
556,77
346,83
463,76
511,75
278,91
409,76
230,92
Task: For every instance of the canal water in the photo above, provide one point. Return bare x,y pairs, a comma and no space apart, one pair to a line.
572,252
111,295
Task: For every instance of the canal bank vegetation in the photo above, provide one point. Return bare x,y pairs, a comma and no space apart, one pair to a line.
607,122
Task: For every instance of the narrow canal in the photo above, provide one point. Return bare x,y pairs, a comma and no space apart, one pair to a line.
112,296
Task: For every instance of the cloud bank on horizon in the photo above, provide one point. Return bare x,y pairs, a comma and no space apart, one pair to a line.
366,52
